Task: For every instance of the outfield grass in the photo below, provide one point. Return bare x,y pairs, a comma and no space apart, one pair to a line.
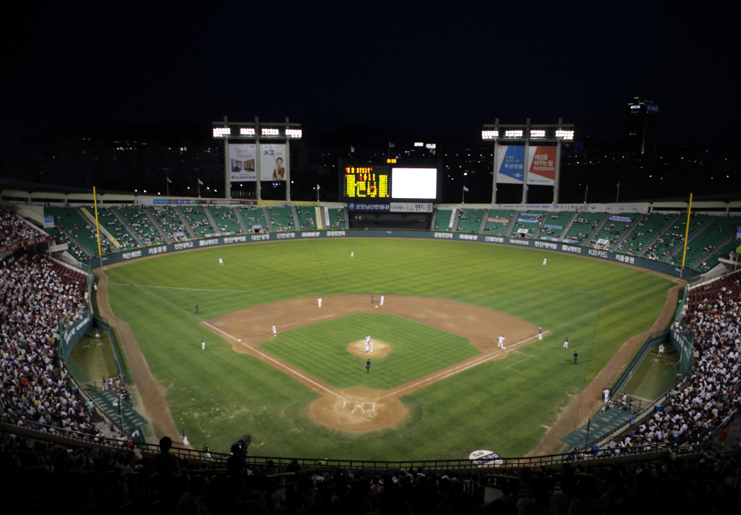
416,350
504,406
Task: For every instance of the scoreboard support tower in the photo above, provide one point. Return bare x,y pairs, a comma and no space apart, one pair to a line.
260,134
527,136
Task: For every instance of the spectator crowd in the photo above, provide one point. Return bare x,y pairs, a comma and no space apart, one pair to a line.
35,297
13,229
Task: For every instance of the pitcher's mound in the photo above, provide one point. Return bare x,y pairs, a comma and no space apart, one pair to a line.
380,349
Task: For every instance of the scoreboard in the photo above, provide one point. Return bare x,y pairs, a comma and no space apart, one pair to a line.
368,183
384,184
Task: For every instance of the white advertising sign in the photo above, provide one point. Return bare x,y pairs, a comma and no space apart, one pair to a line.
242,163
273,162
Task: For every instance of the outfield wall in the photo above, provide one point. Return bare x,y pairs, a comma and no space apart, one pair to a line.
605,255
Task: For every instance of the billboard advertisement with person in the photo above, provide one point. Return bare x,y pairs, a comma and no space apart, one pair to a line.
273,161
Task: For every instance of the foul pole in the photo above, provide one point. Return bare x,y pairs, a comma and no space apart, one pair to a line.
686,234
97,226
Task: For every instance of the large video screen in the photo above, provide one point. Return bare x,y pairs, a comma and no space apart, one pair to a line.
414,183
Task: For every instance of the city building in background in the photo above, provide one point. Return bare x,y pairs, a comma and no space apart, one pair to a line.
641,127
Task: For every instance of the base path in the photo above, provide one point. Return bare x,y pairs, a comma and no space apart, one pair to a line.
363,409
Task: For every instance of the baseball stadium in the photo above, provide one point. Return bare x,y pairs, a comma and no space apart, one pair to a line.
367,337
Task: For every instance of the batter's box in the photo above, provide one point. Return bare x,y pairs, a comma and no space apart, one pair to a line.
348,405
369,406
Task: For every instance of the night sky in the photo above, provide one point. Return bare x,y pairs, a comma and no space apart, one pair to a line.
440,68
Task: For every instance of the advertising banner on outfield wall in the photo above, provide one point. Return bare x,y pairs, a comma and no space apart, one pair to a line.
574,207
242,162
510,165
545,243
273,162
541,167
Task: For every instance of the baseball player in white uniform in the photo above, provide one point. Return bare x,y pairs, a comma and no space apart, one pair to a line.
275,333
544,261
370,346
203,343
367,343
320,302
540,333
381,300
501,342
221,261
566,343
352,254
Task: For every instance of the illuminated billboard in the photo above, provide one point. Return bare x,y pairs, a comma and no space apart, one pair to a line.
242,163
510,164
541,166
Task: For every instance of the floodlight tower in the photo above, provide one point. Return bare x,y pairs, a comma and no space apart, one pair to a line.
527,163
241,161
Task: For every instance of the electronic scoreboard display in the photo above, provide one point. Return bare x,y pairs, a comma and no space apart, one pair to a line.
384,184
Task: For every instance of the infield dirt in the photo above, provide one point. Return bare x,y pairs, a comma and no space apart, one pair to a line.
363,409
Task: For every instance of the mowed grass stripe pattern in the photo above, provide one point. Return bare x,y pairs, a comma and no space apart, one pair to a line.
597,305
416,350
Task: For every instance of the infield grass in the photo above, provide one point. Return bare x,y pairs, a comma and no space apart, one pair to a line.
416,350
505,406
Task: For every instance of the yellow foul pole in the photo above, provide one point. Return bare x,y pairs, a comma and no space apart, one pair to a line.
687,231
97,227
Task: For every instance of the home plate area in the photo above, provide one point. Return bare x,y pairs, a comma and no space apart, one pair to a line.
360,409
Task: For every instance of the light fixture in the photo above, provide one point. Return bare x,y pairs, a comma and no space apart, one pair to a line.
270,132
513,134
247,131
489,134
537,133
294,133
220,132
562,134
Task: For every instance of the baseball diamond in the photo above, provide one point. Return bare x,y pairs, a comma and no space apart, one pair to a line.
436,369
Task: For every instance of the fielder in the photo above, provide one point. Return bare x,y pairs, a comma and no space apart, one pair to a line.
370,346
203,343
275,333
661,349
352,254
544,261
566,344
381,300
320,302
221,261
540,334
501,342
